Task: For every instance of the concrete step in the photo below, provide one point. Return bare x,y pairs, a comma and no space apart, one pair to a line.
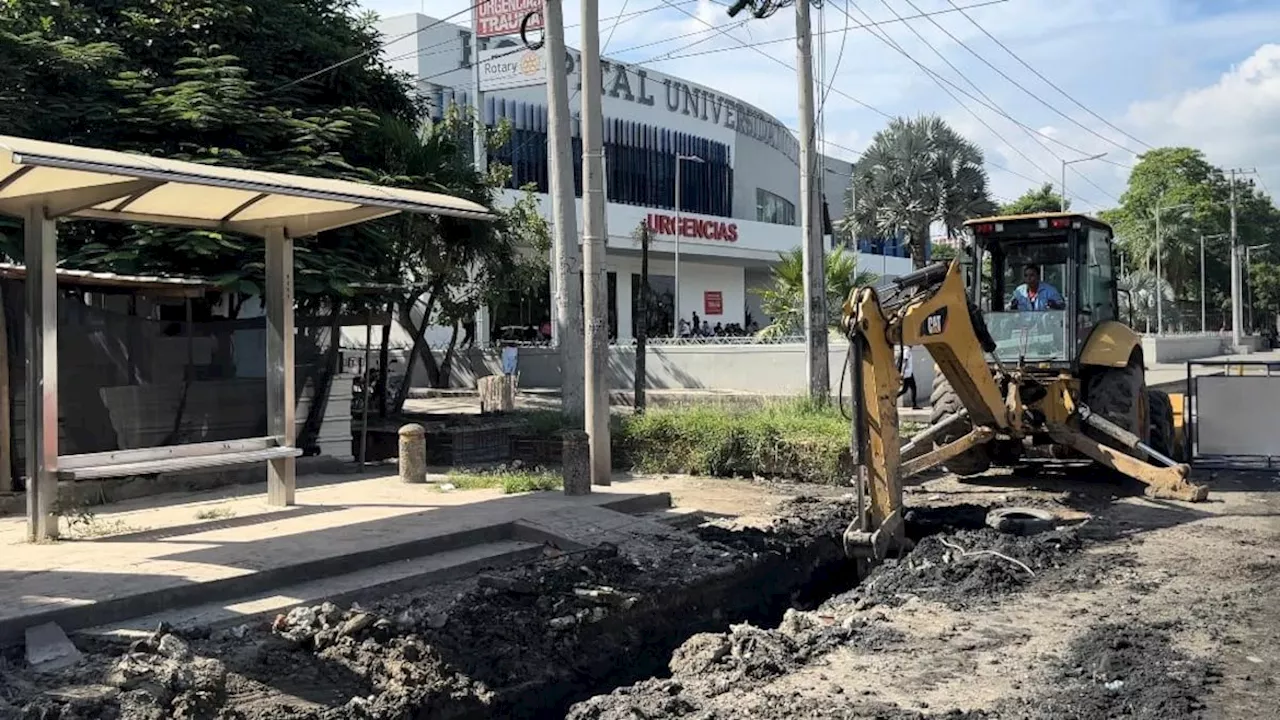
385,579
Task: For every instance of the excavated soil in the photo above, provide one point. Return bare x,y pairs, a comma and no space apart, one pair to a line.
1129,609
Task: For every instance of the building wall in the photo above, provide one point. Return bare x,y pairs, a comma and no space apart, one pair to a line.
764,369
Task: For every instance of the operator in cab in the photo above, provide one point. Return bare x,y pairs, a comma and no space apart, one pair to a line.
1035,295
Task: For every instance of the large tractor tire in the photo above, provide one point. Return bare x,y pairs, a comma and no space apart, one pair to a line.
1160,419
946,403
1117,394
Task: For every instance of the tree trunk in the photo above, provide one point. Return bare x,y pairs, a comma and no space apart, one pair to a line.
322,383
918,247
642,327
446,365
384,360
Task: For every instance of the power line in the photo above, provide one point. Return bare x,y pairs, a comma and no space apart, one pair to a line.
775,41
614,29
939,79
884,38
380,46
783,63
844,37
1027,131
1031,94
1038,74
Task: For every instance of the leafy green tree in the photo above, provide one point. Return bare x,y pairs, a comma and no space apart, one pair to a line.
207,81
1192,198
783,300
1038,200
916,173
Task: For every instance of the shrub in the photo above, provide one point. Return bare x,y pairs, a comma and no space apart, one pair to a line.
788,440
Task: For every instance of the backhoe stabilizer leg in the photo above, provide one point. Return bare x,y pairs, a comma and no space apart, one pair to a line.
1167,483
923,440
934,458
878,544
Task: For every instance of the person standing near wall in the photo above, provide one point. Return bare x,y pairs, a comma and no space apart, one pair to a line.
903,359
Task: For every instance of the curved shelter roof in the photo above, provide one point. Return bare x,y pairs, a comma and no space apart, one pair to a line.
80,182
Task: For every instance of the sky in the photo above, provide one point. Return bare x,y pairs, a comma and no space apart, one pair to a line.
1032,82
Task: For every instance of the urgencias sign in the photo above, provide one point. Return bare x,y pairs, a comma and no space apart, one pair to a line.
692,227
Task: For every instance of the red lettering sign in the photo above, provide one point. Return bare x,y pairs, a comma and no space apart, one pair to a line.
712,303
693,227
503,17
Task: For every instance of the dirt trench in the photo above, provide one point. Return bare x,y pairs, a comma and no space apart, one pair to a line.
525,642
721,621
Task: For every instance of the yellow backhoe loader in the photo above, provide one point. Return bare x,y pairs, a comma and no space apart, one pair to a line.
1031,360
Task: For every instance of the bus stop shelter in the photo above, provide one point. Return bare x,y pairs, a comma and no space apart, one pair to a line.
42,182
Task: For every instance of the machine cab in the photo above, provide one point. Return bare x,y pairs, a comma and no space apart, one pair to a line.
1047,280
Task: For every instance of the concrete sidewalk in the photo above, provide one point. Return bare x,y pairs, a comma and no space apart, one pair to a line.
136,558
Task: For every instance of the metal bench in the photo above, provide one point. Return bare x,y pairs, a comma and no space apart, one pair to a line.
172,458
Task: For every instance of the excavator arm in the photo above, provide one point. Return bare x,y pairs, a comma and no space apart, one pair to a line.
928,307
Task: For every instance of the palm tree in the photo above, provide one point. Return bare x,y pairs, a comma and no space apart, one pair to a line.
783,301
915,173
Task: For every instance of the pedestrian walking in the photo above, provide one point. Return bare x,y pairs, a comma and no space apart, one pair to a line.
908,376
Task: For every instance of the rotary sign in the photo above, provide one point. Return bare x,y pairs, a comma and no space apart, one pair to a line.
505,68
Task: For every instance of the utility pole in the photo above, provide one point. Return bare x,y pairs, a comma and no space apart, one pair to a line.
642,326
564,218
1062,205
1237,299
1159,266
675,330
593,249
815,305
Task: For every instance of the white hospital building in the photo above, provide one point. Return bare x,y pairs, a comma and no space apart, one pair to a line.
739,191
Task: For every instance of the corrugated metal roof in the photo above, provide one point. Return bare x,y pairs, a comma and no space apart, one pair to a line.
80,182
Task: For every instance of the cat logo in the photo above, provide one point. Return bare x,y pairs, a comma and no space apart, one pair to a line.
935,323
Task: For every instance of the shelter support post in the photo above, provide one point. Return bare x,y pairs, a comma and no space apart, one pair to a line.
42,375
281,404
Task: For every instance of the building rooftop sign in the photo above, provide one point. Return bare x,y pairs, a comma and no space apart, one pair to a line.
503,17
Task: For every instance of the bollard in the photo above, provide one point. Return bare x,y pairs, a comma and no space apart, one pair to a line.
576,461
413,454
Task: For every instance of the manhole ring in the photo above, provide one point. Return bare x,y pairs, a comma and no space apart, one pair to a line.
1021,520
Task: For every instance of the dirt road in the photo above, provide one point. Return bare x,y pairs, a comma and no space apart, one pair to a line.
1144,610
1130,609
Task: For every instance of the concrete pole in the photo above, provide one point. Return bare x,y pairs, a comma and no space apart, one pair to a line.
479,134
1159,278
593,249
564,219
1203,323
815,310
1236,320
1062,189
675,301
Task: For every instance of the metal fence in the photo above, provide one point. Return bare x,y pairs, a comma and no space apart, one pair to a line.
1231,413
135,372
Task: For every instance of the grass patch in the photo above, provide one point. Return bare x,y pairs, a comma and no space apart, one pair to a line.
794,440
509,481
215,513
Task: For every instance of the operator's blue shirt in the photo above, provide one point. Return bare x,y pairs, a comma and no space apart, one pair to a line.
1046,295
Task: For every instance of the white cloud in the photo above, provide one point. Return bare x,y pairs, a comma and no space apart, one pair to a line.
1235,120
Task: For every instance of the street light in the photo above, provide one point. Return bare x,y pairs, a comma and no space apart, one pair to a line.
1065,163
1159,266
1203,324
1248,276
675,331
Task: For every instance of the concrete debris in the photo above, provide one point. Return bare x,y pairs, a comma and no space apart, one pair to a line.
49,649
